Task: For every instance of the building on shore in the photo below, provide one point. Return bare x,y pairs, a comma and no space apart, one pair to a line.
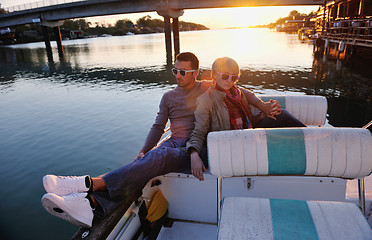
295,24
344,29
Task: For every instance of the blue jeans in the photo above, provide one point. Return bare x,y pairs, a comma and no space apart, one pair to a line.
128,181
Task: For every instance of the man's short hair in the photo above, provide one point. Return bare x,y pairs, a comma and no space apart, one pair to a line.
188,57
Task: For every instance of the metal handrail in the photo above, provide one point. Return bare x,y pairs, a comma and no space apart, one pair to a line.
165,138
361,186
38,4
367,125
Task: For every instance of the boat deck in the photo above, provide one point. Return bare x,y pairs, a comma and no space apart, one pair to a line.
188,230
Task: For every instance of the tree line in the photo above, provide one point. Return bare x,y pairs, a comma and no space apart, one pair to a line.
145,24
291,15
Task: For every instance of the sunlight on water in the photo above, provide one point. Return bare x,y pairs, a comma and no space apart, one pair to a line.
255,49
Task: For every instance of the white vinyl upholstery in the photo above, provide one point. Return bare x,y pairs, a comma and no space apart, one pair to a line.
334,152
268,219
310,110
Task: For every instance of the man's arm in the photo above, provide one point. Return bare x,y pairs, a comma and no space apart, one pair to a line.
157,128
269,109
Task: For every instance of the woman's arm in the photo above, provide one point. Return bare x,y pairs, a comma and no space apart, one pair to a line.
198,135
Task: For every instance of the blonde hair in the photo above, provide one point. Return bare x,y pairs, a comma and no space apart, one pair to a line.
225,65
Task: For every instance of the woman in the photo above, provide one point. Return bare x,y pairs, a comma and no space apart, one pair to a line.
226,106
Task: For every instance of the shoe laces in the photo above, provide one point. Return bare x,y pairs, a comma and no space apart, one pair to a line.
71,183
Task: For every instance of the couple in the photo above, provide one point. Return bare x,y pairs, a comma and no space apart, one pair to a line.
194,108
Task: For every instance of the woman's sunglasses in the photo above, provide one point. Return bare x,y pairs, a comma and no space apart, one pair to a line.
175,71
226,76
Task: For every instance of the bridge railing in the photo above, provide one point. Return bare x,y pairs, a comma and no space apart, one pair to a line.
39,4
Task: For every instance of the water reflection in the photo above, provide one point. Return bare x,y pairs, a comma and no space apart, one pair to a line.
348,92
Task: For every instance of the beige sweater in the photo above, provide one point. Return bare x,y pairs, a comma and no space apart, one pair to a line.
212,114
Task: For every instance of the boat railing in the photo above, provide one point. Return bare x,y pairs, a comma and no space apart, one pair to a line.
166,135
361,186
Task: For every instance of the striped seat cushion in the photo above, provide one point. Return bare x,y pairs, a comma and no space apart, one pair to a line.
310,110
258,218
334,152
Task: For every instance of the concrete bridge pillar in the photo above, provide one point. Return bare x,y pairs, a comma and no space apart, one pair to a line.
168,39
57,34
47,43
168,14
176,36
55,25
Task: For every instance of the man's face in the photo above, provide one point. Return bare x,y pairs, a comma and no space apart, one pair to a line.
189,79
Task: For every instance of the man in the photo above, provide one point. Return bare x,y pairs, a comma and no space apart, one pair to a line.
78,199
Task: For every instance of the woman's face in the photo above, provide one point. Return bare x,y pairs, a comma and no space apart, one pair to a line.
225,80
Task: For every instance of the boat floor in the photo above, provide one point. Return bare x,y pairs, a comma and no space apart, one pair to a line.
188,230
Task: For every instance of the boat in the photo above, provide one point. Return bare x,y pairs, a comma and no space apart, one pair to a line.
287,183
7,36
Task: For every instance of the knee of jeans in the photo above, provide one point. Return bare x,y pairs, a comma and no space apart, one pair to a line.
283,115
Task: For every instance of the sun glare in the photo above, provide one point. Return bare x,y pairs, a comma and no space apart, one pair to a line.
241,17
218,18
244,17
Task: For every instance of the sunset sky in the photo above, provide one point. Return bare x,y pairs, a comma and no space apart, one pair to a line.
212,18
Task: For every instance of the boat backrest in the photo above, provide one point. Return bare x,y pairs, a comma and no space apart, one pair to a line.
310,110
327,152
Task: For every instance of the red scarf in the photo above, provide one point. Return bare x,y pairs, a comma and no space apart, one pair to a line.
238,111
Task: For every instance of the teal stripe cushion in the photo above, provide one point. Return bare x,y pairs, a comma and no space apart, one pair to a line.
286,151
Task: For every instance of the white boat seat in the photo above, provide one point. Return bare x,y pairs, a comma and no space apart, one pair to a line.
260,218
326,152
310,110
333,152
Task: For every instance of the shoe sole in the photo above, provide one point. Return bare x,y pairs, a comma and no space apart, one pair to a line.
53,206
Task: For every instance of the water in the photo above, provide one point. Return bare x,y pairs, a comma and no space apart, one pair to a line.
90,113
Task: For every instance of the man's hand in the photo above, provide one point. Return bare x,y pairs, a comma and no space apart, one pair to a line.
140,155
197,166
271,108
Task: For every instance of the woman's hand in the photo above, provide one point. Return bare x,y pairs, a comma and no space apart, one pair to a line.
197,166
271,108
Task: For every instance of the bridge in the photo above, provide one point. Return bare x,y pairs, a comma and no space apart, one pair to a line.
50,12
55,10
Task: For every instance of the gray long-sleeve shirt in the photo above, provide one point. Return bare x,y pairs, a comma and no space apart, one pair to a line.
177,105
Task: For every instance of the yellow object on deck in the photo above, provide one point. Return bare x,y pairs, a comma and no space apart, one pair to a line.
158,207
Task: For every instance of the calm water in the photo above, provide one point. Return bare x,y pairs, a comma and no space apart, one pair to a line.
90,113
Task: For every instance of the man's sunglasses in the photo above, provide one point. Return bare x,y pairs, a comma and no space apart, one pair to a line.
175,71
226,76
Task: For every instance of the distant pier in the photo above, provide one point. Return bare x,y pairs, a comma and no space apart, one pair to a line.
344,29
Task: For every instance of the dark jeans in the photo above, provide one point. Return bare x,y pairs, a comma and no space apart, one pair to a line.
285,119
128,181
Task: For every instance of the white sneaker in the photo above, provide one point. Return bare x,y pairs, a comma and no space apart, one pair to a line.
62,186
74,208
